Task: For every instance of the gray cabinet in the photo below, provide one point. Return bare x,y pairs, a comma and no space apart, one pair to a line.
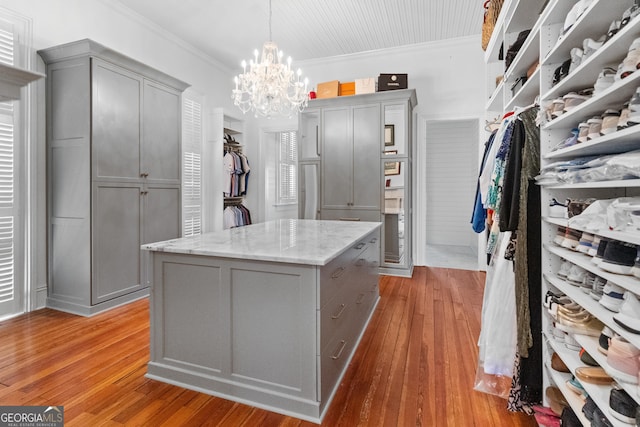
360,149
113,158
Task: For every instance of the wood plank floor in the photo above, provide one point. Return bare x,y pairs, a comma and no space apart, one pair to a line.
415,366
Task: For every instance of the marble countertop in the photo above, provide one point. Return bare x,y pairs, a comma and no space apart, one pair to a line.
297,241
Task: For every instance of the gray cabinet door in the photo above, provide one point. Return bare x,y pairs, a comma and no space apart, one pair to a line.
160,134
117,213
161,219
366,156
337,158
116,95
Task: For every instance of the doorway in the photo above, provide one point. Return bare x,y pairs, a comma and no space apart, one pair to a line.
451,177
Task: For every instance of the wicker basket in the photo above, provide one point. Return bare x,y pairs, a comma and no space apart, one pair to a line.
491,12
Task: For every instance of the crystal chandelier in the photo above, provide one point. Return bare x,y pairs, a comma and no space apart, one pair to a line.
269,87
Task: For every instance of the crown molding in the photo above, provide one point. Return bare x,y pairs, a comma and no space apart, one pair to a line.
123,9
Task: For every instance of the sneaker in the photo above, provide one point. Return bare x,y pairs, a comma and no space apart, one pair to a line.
605,79
612,297
589,46
599,419
602,246
571,239
576,275
593,250
634,109
628,64
559,238
595,126
598,288
584,244
572,100
587,359
628,15
610,120
577,206
557,107
624,117
622,360
587,284
576,58
629,314
588,408
557,209
574,385
583,132
571,343
603,340
565,267
619,257
622,406
636,265
614,27
545,420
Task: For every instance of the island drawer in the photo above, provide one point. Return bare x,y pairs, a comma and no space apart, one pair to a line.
332,362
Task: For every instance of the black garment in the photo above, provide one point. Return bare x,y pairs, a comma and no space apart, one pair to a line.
510,206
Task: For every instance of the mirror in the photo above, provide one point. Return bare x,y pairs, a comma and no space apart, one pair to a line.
394,210
308,200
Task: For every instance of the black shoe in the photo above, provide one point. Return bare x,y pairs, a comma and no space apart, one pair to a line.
599,419
622,406
569,418
619,257
588,408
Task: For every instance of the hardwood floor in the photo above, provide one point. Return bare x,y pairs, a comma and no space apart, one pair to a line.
415,366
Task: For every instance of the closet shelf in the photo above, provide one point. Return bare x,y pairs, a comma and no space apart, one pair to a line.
527,94
623,236
496,40
527,55
496,100
628,282
597,184
617,142
612,97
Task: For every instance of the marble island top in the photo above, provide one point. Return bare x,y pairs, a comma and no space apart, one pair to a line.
295,241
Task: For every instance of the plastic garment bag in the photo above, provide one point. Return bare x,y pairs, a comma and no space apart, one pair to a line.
498,335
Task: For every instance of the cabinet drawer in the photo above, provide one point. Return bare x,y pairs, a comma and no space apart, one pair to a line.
337,318
333,360
350,215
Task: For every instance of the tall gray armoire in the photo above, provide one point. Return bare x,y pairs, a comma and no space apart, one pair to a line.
354,164
113,159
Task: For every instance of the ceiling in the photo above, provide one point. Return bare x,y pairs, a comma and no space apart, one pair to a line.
230,31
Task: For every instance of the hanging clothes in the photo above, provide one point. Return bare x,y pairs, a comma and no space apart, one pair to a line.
236,216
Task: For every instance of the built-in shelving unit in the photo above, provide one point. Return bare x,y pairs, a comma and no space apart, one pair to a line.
547,43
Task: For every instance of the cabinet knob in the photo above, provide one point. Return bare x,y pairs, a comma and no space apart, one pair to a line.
144,175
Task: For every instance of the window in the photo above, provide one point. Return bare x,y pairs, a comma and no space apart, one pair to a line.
287,178
191,167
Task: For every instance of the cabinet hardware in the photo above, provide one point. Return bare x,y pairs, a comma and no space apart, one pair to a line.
338,353
360,245
339,313
360,299
144,175
337,272
361,262
373,240
349,219
318,151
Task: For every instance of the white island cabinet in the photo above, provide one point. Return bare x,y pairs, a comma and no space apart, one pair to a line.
268,315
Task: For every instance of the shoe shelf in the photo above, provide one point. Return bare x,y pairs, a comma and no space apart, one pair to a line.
612,97
590,344
586,74
599,393
622,236
593,307
594,22
630,283
617,142
596,184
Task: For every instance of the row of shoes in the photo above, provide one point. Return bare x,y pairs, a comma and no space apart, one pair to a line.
610,255
620,214
610,121
579,55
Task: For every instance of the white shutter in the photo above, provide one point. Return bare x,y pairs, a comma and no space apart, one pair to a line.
287,167
191,167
